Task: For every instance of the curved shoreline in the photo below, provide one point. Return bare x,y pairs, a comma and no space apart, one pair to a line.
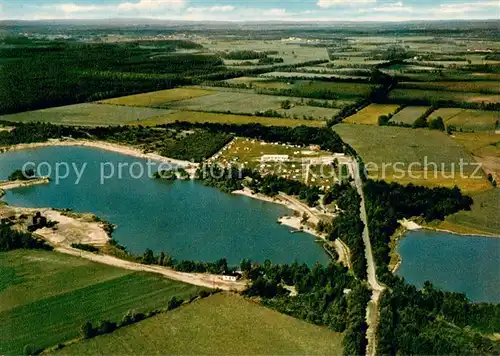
108,146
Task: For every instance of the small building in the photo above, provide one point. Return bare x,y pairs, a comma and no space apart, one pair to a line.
231,277
275,158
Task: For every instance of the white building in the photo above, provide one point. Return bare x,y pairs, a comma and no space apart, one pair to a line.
275,158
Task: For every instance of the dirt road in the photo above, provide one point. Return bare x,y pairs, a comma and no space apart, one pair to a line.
198,279
377,288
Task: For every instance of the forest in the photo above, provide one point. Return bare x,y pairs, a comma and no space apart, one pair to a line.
41,74
327,296
11,239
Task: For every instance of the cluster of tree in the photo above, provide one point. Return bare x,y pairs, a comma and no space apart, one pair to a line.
197,146
88,331
270,60
355,341
387,203
320,295
19,174
245,55
217,267
11,239
393,53
85,247
432,322
347,225
433,124
301,135
492,180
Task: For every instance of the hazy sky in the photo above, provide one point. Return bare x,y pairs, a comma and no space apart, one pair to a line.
257,10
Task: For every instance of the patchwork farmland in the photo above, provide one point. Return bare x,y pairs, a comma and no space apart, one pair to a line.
370,114
220,324
47,296
409,114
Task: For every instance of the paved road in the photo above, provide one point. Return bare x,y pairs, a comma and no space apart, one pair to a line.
377,288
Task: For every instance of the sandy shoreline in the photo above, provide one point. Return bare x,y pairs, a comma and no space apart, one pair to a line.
6,185
113,147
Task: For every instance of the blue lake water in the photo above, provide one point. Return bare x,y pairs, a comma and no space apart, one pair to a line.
466,264
185,219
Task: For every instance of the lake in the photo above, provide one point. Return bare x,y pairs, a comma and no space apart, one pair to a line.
466,264
183,218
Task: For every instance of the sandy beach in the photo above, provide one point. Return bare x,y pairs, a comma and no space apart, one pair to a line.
6,185
122,149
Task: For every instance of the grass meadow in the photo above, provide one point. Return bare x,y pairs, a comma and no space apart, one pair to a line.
87,115
409,114
405,95
491,87
468,119
483,217
235,102
47,296
390,145
158,98
370,114
203,117
223,324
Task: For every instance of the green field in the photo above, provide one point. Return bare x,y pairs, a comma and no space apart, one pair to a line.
299,111
370,114
474,120
158,98
46,296
379,145
202,117
486,87
482,218
88,115
409,114
222,324
234,102
409,95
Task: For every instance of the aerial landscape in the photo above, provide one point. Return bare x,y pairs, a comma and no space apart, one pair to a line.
192,177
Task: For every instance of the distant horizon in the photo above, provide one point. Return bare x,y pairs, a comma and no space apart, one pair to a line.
238,11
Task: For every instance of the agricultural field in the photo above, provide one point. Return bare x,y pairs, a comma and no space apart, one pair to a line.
485,87
47,296
301,111
88,115
382,145
481,219
158,98
223,324
475,120
231,102
409,114
485,147
370,114
291,52
468,119
430,96
305,164
202,117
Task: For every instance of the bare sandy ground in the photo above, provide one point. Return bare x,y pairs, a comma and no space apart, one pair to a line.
198,279
410,225
6,185
122,149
